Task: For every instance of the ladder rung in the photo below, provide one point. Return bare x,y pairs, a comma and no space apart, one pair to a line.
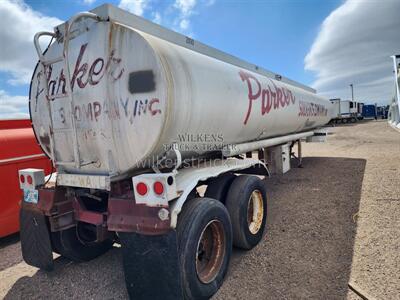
53,61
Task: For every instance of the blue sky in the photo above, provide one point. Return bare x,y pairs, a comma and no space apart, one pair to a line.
294,38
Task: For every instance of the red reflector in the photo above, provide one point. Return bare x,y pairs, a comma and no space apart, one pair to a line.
141,188
29,179
158,188
22,178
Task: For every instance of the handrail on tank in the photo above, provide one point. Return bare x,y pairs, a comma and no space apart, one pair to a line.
73,20
37,45
68,26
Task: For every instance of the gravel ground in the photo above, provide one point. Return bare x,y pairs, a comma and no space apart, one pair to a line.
334,221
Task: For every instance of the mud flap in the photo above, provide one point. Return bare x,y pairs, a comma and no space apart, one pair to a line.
151,266
35,239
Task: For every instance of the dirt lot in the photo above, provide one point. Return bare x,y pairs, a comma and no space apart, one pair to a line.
334,221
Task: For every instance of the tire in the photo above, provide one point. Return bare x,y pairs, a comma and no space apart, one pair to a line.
208,219
218,187
67,244
247,233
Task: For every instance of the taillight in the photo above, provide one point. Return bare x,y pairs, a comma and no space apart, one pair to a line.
29,179
158,188
141,188
22,178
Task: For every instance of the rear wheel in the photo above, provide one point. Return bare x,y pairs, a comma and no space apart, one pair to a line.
247,205
205,246
78,243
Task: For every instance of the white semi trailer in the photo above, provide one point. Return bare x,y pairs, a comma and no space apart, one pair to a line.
135,118
394,108
344,111
348,111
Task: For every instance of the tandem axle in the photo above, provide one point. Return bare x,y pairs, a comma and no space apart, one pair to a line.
141,213
172,235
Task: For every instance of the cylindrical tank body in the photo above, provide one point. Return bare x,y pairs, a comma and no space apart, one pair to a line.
135,95
18,150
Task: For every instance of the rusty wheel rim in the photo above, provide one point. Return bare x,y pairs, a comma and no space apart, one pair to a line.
210,251
255,212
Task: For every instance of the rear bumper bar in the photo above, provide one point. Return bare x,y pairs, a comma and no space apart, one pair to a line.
64,208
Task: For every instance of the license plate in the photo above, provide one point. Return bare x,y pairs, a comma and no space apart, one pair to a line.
31,196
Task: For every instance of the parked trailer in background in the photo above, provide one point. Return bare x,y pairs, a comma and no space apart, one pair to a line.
375,111
369,111
18,150
348,111
382,111
336,115
394,108
344,111
135,118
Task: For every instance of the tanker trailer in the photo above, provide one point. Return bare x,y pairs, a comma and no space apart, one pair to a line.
135,118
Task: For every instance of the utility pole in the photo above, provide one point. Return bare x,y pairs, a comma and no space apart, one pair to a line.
352,92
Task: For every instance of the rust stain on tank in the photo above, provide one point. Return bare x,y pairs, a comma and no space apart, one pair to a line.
45,142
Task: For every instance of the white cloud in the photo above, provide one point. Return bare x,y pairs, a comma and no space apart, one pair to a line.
157,17
13,107
184,24
177,14
186,9
185,6
89,2
17,53
353,46
136,7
